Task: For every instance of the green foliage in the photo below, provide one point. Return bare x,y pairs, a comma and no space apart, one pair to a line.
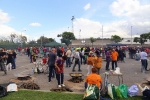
12,37
92,40
51,40
66,37
116,38
43,39
136,39
24,39
37,95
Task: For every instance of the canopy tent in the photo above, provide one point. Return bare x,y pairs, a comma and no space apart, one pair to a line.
53,44
116,44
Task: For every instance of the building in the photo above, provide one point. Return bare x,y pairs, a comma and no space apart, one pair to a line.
105,41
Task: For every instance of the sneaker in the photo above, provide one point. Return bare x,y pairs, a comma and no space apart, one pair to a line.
59,86
62,85
73,70
79,70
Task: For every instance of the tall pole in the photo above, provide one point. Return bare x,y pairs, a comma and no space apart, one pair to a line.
21,38
72,23
131,35
42,40
102,35
79,34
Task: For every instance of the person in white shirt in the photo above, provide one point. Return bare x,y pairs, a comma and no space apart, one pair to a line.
143,56
68,54
77,61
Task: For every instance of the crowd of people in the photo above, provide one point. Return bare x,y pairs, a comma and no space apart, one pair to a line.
7,60
59,57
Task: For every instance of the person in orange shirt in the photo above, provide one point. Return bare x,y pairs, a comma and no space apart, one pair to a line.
94,78
114,56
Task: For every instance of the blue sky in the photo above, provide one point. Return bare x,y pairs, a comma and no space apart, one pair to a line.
52,17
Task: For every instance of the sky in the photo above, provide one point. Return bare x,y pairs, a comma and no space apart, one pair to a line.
92,18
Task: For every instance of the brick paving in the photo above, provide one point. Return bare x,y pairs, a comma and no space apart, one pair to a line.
130,69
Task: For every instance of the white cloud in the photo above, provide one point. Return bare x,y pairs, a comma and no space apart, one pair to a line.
87,6
122,28
35,24
4,17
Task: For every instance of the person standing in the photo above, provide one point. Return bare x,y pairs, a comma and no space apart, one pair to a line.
59,52
3,61
97,63
51,62
77,61
143,56
28,51
9,60
90,62
114,56
59,69
108,59
68,54
14,59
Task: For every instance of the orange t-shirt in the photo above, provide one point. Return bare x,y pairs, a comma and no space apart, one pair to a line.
94,79
114,56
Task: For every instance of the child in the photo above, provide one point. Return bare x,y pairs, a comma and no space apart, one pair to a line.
60,71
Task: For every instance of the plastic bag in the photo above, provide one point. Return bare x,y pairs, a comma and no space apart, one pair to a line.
92,93
133,90
123,89
118,92
110,93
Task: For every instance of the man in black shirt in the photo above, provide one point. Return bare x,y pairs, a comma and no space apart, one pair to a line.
59,52
14,59
2,60
51,63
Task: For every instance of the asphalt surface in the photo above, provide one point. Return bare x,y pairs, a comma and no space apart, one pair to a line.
131,71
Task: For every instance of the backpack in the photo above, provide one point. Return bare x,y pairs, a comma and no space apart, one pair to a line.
3,91
146,94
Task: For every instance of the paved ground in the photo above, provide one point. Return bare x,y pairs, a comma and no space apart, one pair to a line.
130,69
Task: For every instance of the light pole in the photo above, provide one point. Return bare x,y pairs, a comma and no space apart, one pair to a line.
102,35
131,35
72,23
79,34
21,38
42,40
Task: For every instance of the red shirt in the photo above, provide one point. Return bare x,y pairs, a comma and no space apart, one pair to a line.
60,64
44,60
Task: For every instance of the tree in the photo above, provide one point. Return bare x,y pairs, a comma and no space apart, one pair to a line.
116,38
32,42
43,39
24,39
92,40
136,39
66,37
12,37
51,40
143,38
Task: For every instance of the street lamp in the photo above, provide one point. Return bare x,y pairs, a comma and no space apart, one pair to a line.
79,33
72,22
131,35
102,35
21,38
